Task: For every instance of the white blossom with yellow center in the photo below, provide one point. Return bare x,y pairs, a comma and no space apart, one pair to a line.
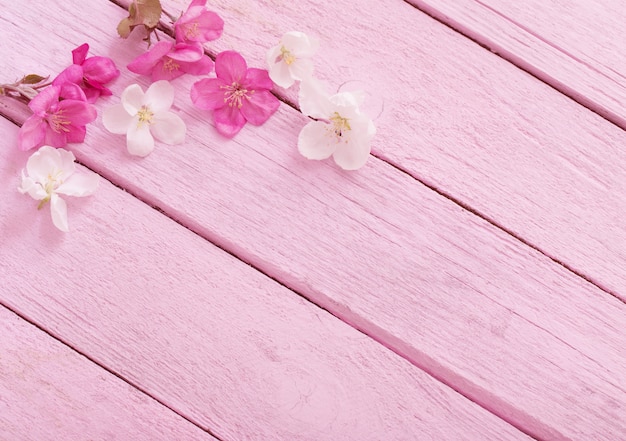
289,61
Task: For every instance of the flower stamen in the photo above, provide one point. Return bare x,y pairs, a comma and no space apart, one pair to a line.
191,30
287,56
145,115
170,65
59,123
234,94
339,124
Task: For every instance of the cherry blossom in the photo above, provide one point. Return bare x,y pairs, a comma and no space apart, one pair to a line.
145,116
198,24
340,129
91,74
166,61
51,172
238,95
60,114
289,61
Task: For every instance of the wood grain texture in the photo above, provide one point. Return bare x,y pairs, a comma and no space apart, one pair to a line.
49,392
461,299
466,122
224,345
575,46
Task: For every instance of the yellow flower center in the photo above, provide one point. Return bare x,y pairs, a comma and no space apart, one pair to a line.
58,122
339,124
52,182
145,115
191,30
170,65
234,94
287,56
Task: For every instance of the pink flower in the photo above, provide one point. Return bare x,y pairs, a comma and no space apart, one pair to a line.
238,94
60,114
166,61
91,74
198,24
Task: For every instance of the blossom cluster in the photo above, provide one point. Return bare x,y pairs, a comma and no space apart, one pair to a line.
233,92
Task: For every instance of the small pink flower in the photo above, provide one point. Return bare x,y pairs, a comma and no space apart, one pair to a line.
238,94
60,114
91,74
166,61
198,24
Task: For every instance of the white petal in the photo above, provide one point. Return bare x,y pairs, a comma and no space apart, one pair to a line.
139,140
273,54
313,99
132,99
58,209
300,44
169,128
116,119
68,166
44,162
301,69
31,187
80,184
159,96
316,141
346,104
281,75
353,152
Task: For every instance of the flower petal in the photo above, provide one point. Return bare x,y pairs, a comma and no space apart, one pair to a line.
202,66
261,105
315,142
230,67
164,70
80,53
300,44
32,133
186,52
132,99
208,94
313,99
71,74
168,127
79,113
354,152
144,63
80,184
159,97
58,209
281,75
139,140
76,134
257,79
34,189
44,100
54,138
100,69
228,120
301,69
116,119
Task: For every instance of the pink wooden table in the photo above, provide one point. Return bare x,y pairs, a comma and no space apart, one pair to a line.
468,283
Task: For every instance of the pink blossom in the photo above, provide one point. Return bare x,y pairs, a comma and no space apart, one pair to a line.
166,61
60,114
238,95
198,24
91,74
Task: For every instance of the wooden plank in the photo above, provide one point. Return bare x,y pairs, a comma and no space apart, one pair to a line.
518,334
574,46
50,392
232,350
467,123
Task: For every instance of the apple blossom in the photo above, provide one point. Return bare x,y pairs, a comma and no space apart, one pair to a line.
198,24
289,61
145,116
51,172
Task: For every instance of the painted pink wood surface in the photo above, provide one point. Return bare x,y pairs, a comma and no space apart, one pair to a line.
389,256
465,122
576,46
49,392
225,346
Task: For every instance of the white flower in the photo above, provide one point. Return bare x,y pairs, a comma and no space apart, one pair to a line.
289,61
51,172
141,116
341,130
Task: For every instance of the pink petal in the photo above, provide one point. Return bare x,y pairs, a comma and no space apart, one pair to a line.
230,67
76,134
165,71
207,93
54,138
315,142
201,67
80,53
186,52
261,105
139,140
71,91
101,70
71,74
58,210
32,133
44,100
79,113
196,3
228,120
211,26
144,63
257,79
